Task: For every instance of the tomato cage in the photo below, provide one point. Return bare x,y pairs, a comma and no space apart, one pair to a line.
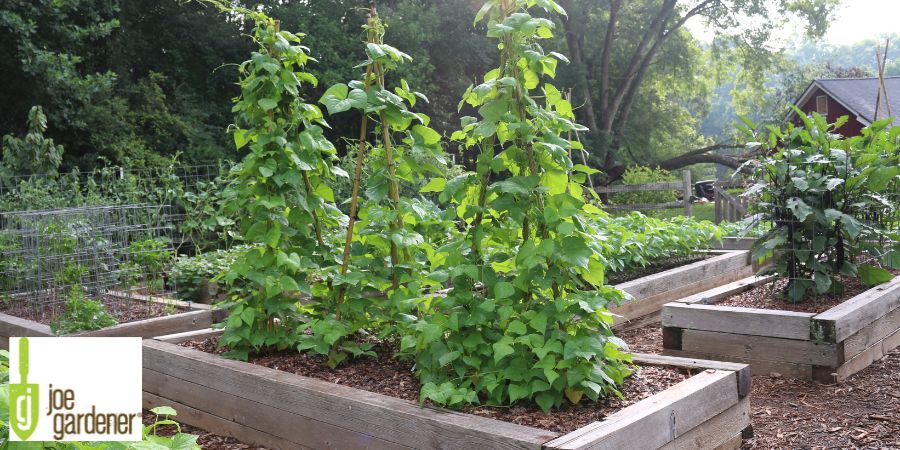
112,253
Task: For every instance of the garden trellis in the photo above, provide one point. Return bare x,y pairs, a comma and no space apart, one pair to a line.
46,254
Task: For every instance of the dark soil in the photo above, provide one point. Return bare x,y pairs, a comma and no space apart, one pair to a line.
206,440
768,296
390,376
629,275
122,309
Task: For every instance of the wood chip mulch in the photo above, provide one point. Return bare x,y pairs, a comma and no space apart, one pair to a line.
860,413
389,376
206,440
863,412
767,296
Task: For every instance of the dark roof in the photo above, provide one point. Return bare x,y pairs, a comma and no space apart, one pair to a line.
859,94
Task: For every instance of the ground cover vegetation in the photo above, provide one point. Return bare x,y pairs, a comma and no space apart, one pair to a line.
831,202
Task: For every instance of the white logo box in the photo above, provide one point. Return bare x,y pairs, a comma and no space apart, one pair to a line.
95,376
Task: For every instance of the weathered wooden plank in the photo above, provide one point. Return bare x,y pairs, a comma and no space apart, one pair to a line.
735,243
734,443
178,338
664,186
801,371
859,362
644,206
744,378
383,417
738,320
660,419
158,326
720,293
872,334
218,425
662,282
844,320
180,304
716,432
12,326
761,347
280,423
637,308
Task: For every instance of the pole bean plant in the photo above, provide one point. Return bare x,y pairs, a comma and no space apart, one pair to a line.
526,316
280,191
498,299
387,237
830,202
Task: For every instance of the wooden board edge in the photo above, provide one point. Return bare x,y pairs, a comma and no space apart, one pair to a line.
743,372
592,436
178,338
854,314
520,435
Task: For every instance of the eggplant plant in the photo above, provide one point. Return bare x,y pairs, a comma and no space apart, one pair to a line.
830,201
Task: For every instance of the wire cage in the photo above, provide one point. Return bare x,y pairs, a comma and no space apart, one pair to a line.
112,253
859,231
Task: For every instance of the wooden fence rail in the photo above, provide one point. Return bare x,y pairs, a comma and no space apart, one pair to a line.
685,186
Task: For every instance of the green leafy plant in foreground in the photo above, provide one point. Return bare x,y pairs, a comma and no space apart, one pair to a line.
81,314
388,236
280,191
826,198
526,317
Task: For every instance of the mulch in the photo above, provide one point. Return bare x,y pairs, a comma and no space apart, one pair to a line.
390,376
123,310
768,296
862,412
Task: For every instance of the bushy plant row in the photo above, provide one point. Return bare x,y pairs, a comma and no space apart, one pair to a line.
499,294
831,202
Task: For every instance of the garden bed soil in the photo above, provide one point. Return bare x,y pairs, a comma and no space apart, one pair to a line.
123,310
768,296
389,376
668,264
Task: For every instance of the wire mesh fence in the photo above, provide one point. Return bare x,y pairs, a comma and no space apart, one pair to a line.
101,252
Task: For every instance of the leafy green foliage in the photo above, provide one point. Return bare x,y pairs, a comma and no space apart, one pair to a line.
280,191
191,273
81,314
34,153
634,241
644,175
525,318
825,197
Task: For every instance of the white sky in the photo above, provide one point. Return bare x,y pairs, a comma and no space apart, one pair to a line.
854,20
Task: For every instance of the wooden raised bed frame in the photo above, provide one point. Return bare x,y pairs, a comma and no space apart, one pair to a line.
194,317
827,347
280,410
651,292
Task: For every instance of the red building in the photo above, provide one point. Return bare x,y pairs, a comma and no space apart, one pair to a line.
853,97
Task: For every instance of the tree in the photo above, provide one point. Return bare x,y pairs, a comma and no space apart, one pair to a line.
611,74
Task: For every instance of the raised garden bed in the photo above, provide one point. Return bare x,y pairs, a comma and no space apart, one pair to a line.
651,292
185,318
828,346
277,409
